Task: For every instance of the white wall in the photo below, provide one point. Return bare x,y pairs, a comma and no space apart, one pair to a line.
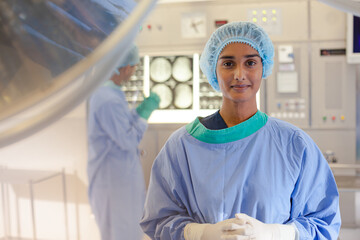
61,145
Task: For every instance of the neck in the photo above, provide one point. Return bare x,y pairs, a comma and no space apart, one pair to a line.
234,113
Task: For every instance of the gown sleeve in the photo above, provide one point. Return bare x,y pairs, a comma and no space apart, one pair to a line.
315,198
165,212
123,126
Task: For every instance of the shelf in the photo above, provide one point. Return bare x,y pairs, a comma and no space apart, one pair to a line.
348,183
344,166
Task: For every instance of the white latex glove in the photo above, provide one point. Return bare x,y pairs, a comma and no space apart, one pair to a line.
261,231
217,231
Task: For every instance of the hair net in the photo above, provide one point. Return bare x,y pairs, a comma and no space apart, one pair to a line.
132,58
239,32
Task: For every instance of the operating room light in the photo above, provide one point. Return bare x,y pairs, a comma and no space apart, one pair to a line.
350,6
53,54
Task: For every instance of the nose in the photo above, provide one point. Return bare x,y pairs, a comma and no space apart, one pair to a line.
239,73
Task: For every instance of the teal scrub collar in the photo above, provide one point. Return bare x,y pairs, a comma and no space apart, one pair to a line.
240,131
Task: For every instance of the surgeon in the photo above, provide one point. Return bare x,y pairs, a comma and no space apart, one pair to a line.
240,174
116,181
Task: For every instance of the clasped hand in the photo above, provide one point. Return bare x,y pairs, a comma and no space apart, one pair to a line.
240,228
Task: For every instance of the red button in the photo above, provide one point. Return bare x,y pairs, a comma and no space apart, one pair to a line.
333,118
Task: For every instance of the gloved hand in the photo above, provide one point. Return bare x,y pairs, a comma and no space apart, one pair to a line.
261,231
217,231
148,105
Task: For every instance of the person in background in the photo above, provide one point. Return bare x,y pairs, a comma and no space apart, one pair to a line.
116,181
238,173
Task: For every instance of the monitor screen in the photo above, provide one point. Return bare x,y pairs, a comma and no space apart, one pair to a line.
353,39
356,36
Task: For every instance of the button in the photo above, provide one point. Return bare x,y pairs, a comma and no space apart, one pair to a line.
296,115
302,115
333,118
149,27
279,105
342,117
324,118
291,114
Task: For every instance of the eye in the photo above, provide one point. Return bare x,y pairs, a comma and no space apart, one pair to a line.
227,63
251,63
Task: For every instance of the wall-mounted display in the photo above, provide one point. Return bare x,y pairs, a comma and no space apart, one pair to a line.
209,97
183,96
182,69
165,94
134,88
171,77
178,81
160,69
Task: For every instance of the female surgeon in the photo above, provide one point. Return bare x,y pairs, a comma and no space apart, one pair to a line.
240,174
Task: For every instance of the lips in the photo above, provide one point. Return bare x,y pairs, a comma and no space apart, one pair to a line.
240,86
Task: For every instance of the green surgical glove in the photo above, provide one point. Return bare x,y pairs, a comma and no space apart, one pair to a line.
148,105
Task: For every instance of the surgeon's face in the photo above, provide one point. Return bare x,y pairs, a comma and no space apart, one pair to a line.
239,73
124,76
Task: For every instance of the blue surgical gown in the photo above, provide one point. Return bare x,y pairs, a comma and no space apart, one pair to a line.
116,180
263,167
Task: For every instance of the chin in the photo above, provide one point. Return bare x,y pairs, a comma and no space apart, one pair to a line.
241,99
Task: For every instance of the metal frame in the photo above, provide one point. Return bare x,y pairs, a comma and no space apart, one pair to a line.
31,183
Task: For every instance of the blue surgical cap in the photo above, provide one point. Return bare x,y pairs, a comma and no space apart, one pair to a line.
132,58
236,32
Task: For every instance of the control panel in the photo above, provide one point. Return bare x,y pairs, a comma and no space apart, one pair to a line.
134,88
287,88
333,88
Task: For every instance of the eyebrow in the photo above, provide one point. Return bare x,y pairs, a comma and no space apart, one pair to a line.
246,56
